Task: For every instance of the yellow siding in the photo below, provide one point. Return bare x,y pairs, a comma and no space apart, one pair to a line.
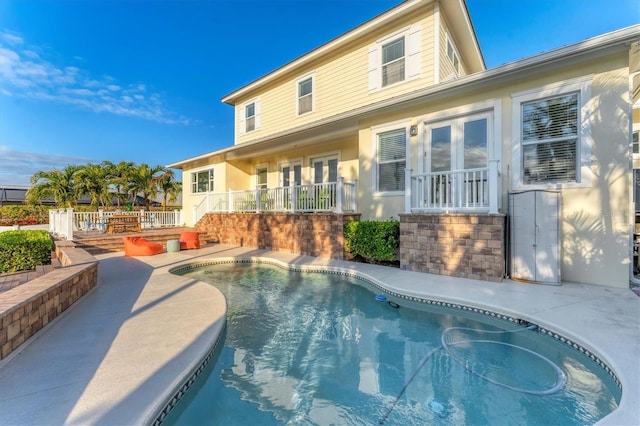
446,67
341,84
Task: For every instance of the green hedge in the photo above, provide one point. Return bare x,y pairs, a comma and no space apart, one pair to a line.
373,241
23,215
24,250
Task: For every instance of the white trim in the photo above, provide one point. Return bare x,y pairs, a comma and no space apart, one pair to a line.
256,114
257,167
324,156
582,86
436,42
299,161
375,131
201,169
454,48
412,57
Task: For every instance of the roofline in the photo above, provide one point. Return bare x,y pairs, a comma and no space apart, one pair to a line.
322,49
476,43
618,38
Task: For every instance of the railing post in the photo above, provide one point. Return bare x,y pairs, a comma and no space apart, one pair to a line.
69,225
354,196
407,190
339,194
294,198
52,225
229,202
258,196
494,186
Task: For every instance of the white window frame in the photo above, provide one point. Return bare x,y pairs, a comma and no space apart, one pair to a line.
581,86
412,57
452,54
377,130
312,94
291,164
210,180
325,157
256,116
257,184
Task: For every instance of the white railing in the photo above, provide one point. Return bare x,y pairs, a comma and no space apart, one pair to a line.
453,191
338,197
61,223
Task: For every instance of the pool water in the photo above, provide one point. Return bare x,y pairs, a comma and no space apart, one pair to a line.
320,349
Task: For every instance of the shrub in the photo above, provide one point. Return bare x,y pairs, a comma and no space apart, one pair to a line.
23,215
24,250
373,241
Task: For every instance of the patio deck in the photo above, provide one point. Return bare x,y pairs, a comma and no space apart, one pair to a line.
121,351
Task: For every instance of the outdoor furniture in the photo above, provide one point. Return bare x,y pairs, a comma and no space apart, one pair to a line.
138,246
123,223
173,246
189,240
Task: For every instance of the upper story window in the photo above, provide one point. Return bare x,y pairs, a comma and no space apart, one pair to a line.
202,181
391,160
636,142
250,116
305,95
395,58
452,54
550,140
393,62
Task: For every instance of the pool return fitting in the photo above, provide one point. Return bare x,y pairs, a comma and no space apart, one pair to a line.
446,342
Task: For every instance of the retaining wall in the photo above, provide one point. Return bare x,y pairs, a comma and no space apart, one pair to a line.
27,308
317,234
459,245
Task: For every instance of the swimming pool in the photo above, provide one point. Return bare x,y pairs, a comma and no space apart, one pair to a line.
311,348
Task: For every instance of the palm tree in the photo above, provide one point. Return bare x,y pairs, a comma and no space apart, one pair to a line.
118,176
92,180
143,181
168,186
58,184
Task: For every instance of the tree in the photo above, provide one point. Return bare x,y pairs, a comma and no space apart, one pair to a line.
57,184
118,177
93,180
143,182
169,187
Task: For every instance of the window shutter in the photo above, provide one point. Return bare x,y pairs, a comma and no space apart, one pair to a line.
413,52
242,112
374,63
258,112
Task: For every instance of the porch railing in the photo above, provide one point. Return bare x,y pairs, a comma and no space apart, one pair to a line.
338,197
452,191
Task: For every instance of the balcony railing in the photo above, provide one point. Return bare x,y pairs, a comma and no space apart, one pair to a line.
337,197
453,191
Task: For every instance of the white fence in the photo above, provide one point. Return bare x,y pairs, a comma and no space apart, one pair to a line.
453,191
338,197
64,222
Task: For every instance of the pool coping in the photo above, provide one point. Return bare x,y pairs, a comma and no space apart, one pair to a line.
111,360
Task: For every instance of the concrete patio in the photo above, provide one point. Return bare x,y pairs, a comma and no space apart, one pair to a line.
120,352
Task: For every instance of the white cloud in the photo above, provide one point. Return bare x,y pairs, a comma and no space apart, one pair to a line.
26,73
17,167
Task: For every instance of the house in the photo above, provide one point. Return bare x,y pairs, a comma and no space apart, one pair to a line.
399,117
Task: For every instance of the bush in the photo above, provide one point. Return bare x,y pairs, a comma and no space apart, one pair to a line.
24,250
23,215
373,241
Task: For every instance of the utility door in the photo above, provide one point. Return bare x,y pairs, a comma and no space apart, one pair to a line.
535,236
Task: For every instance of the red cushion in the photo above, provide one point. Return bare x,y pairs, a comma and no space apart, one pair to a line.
138,246
189,240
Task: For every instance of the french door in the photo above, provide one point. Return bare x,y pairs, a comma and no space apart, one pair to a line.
456,161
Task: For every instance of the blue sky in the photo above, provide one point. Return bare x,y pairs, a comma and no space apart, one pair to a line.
124,80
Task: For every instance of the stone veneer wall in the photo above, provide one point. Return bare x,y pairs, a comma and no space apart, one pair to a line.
459,245
27,308
310,234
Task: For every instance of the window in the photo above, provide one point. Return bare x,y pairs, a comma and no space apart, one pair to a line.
324,169
261,178
551,143
549,139
636,142
305,95
395,58
452,54
202,181
393,62
391,159
250,117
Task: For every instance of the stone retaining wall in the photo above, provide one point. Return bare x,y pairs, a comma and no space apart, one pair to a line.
26,309
459,245
317,234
